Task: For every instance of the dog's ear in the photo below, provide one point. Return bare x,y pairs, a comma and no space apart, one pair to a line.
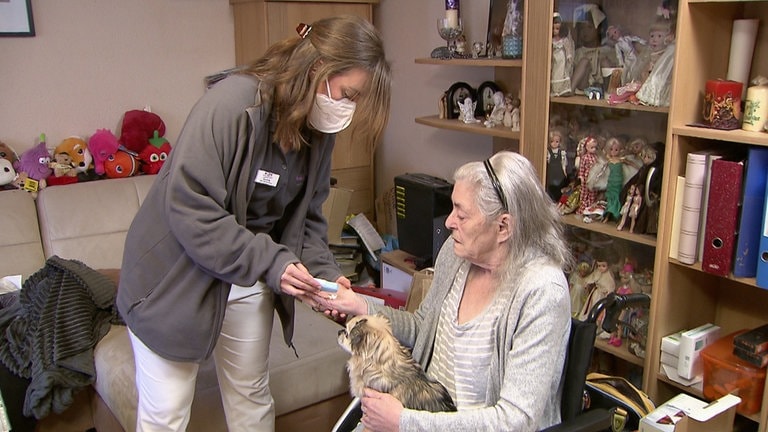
357,334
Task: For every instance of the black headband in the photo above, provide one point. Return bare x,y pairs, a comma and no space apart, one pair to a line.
496,184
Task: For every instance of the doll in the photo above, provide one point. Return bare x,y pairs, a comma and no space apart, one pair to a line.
614,150
624,288
557,165
578,285
656,67
569,198
562,58
624,46
507,121
515,114
587,196
600,283
625,208
634,208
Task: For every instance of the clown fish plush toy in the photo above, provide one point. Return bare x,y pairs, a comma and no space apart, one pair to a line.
121,164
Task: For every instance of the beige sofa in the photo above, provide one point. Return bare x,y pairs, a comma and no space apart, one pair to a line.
88,222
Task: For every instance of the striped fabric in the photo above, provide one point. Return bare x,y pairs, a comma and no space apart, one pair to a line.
64,309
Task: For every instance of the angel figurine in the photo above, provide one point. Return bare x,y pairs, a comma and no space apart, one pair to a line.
467,111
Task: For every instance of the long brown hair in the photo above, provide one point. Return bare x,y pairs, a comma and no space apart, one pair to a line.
291,69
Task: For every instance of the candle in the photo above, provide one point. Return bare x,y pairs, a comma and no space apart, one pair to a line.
755,108
722,104
452,13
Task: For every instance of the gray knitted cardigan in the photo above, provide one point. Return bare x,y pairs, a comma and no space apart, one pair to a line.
64,309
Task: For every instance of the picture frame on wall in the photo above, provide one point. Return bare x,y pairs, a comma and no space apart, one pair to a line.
16,18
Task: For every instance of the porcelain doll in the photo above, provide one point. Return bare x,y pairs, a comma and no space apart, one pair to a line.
625,207
497,113
600,283
562,58
624,46
655,68
578,284
557,164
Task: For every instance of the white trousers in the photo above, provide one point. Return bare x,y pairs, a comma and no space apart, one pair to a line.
166,387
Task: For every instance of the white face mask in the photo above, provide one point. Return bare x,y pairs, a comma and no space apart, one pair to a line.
328,115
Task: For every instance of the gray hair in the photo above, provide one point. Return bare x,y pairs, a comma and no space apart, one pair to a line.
537,230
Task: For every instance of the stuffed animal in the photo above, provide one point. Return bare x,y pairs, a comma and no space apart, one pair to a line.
102,144
63,170
152,157
76,148
6,152
138,128
33,168
121,164
7,175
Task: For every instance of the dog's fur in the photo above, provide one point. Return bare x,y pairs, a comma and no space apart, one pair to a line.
380,362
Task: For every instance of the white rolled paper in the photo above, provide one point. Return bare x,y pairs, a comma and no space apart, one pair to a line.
742,48
755,109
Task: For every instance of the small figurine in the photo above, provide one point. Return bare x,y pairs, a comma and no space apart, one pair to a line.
467,111
461,46
562,58
600,283
497,112
477,48
515,114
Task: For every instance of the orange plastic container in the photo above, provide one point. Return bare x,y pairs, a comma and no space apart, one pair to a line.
725,373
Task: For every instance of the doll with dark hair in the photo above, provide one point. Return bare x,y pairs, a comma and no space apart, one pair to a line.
562,58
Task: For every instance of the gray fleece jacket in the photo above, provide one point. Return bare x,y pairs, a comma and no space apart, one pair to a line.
189,242
524,379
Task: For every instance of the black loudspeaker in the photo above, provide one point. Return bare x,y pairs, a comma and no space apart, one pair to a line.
420,201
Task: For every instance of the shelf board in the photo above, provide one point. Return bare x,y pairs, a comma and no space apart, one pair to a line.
602,103
737,135
476,128
697,267
620,352
609,229
484,61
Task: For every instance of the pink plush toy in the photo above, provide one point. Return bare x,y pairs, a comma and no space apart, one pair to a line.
102,144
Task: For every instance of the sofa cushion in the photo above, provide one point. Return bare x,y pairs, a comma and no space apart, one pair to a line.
319,373
20,246
88,221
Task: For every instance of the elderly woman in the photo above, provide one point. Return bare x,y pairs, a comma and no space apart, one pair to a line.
495,324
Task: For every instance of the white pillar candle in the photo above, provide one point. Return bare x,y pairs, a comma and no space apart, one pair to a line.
742,48
452,13
755,109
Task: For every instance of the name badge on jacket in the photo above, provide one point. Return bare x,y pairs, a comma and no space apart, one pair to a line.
267,178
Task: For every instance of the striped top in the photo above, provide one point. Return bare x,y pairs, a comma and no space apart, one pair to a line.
463,352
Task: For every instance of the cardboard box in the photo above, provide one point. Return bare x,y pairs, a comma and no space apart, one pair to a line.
335,212
684,413
671,344
691,344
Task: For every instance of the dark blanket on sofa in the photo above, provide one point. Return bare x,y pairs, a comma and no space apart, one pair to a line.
63,310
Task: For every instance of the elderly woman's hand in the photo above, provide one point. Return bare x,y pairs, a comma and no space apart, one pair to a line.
381,411
345,302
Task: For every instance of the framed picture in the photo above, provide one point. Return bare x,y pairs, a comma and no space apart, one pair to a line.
455,94
16,18
485,98
503,15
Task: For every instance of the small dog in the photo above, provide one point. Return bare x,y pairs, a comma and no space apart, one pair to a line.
380,362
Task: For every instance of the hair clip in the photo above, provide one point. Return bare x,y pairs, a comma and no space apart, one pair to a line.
303,30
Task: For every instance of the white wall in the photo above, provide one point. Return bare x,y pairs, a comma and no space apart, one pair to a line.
409,28
93,60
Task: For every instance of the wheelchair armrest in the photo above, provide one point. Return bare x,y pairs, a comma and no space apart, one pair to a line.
350,418
594,420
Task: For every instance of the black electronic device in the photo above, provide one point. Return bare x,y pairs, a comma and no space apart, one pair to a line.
422,203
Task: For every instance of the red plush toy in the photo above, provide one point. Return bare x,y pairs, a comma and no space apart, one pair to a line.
138,128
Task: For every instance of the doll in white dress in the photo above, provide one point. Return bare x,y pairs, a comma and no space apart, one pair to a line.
562,58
